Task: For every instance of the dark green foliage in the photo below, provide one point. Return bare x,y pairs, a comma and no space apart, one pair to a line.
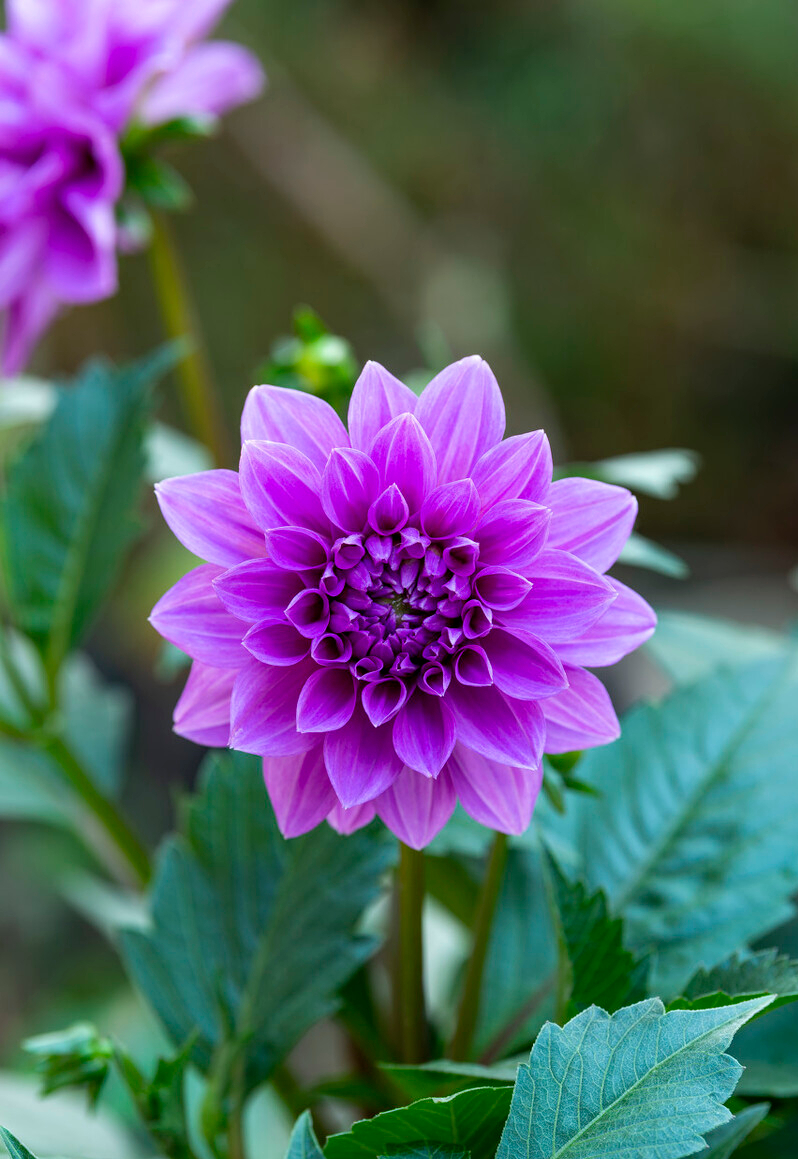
76,1057
72,505
252,935
595,968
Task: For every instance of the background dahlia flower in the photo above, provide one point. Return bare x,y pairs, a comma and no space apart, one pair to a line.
74,74
399,616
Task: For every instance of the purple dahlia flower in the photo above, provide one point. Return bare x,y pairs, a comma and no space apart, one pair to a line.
74,74
399,616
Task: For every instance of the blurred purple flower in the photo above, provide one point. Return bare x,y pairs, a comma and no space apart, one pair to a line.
398,616
74,74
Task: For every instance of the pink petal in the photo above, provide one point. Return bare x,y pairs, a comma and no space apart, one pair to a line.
276,642
389,511
382,699
207,514
590,519
518,468
327,701
513,533
472,666
424,733
581,717
494,794
416,808
403,455
191,616
377,398
627,623
299,790
296,548
301,420
208,81
566,599
263,710
523,667
462,411
450,509
500,589
360,760
486,722
256,589
346,821
281,487
350,485
202,713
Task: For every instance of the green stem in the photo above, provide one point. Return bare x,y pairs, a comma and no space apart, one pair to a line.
134,857
460,1045
180,321
411,1015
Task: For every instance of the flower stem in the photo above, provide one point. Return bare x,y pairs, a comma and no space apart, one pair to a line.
135,862
460,1045
411,1015
198,399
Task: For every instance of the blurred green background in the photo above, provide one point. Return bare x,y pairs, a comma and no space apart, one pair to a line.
601,197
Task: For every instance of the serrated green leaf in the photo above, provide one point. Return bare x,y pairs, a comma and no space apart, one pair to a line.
472,1118
13,1146
595,968
71,508
695,844
442,1076
745,976
303,1143
724,1141
427,1151
252,935
641,1082
689,647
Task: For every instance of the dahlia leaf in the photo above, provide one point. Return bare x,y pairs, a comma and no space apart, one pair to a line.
658,473
687,646
641,552
641,1082
13,1146
303,1143
724,1141
252,936
694,844
443,1076
743,976
595,968
428,1151
768,1049
71,509
472,1118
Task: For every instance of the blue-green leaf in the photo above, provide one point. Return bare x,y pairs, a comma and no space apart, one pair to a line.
724,1141
695,843
252,935
689,647
641,1082
303,1143
13,1146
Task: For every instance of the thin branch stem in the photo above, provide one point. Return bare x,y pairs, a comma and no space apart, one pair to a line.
134,857
460,1045
411,1027
198,399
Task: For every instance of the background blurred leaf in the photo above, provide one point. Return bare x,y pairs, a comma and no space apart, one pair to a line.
641,552
171,452
640,1081
768,1049
695,845
724,1141
657,473
62,1125
688,646
71,508
304,1144
442,1076
472,1118
252,935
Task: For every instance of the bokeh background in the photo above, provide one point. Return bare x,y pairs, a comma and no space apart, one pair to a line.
599,196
